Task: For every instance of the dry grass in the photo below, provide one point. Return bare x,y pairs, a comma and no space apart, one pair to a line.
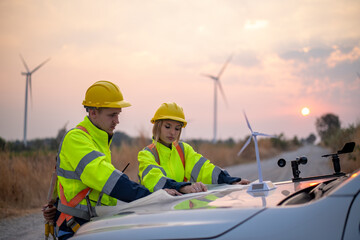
24,180
225,155
128,154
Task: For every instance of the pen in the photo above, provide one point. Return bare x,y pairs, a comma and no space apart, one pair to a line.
125,167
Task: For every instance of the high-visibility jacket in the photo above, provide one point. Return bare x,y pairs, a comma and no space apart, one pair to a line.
84,161
154,176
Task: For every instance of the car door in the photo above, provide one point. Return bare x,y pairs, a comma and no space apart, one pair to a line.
352,228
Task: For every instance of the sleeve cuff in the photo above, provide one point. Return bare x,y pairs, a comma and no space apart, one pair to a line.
172,184
224,177
127,190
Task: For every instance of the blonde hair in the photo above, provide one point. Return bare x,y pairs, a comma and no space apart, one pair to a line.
156,131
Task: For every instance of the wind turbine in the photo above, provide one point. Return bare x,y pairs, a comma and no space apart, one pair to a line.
261,185
28,74
217,84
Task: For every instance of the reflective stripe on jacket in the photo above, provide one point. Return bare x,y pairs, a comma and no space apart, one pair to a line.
197,168
84,160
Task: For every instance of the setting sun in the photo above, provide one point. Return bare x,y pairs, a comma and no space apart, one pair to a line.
305,111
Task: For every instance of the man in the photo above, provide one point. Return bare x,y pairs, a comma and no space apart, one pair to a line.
85,174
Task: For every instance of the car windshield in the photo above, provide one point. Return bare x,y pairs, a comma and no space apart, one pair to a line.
313,193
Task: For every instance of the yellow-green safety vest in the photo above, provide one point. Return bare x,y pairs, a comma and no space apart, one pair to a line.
84,160
154,176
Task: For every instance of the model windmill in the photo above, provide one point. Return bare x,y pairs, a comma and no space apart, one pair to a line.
217,84
261,185
28,74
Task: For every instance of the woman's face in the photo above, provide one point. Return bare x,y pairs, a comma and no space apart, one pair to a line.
170,131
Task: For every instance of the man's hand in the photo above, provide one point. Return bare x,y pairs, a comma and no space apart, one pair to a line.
49,212
242,182
172,192
194,188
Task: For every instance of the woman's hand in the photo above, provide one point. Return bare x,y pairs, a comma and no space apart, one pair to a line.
194,188
172,192
242,182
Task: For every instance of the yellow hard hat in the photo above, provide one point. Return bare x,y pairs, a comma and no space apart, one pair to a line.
104,94
170,111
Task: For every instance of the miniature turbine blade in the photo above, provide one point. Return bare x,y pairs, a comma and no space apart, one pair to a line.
245,145
247,121
265,135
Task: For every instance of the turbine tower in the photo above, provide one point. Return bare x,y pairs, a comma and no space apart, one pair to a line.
217,84
28,74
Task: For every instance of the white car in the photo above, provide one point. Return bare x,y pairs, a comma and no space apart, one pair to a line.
319,207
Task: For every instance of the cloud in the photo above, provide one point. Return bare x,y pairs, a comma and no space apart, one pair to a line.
337,56
306,54
255,24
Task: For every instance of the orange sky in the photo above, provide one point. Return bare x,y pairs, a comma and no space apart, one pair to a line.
287,55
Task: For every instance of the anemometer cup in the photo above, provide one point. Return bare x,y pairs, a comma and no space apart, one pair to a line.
281,162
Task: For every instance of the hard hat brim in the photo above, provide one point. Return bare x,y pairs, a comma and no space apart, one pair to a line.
119,104
170,118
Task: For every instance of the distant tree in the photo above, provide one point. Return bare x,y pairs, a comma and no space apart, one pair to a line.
229,142
61,133
311,139
280,142
296,141
119,138
327,125
2,144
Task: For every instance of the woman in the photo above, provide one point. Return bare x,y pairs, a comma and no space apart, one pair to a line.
168,163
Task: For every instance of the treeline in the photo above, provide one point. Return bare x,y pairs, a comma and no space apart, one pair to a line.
328,127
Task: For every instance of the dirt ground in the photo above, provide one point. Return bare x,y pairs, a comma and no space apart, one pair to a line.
28,225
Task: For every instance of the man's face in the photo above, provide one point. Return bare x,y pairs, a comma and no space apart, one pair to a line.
106,119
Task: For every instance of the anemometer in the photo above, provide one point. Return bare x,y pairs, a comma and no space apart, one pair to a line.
348,148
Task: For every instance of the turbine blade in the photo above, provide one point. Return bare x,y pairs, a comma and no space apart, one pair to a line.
40,65
245,145
247,121
26,67
209,76
222,91
223,68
